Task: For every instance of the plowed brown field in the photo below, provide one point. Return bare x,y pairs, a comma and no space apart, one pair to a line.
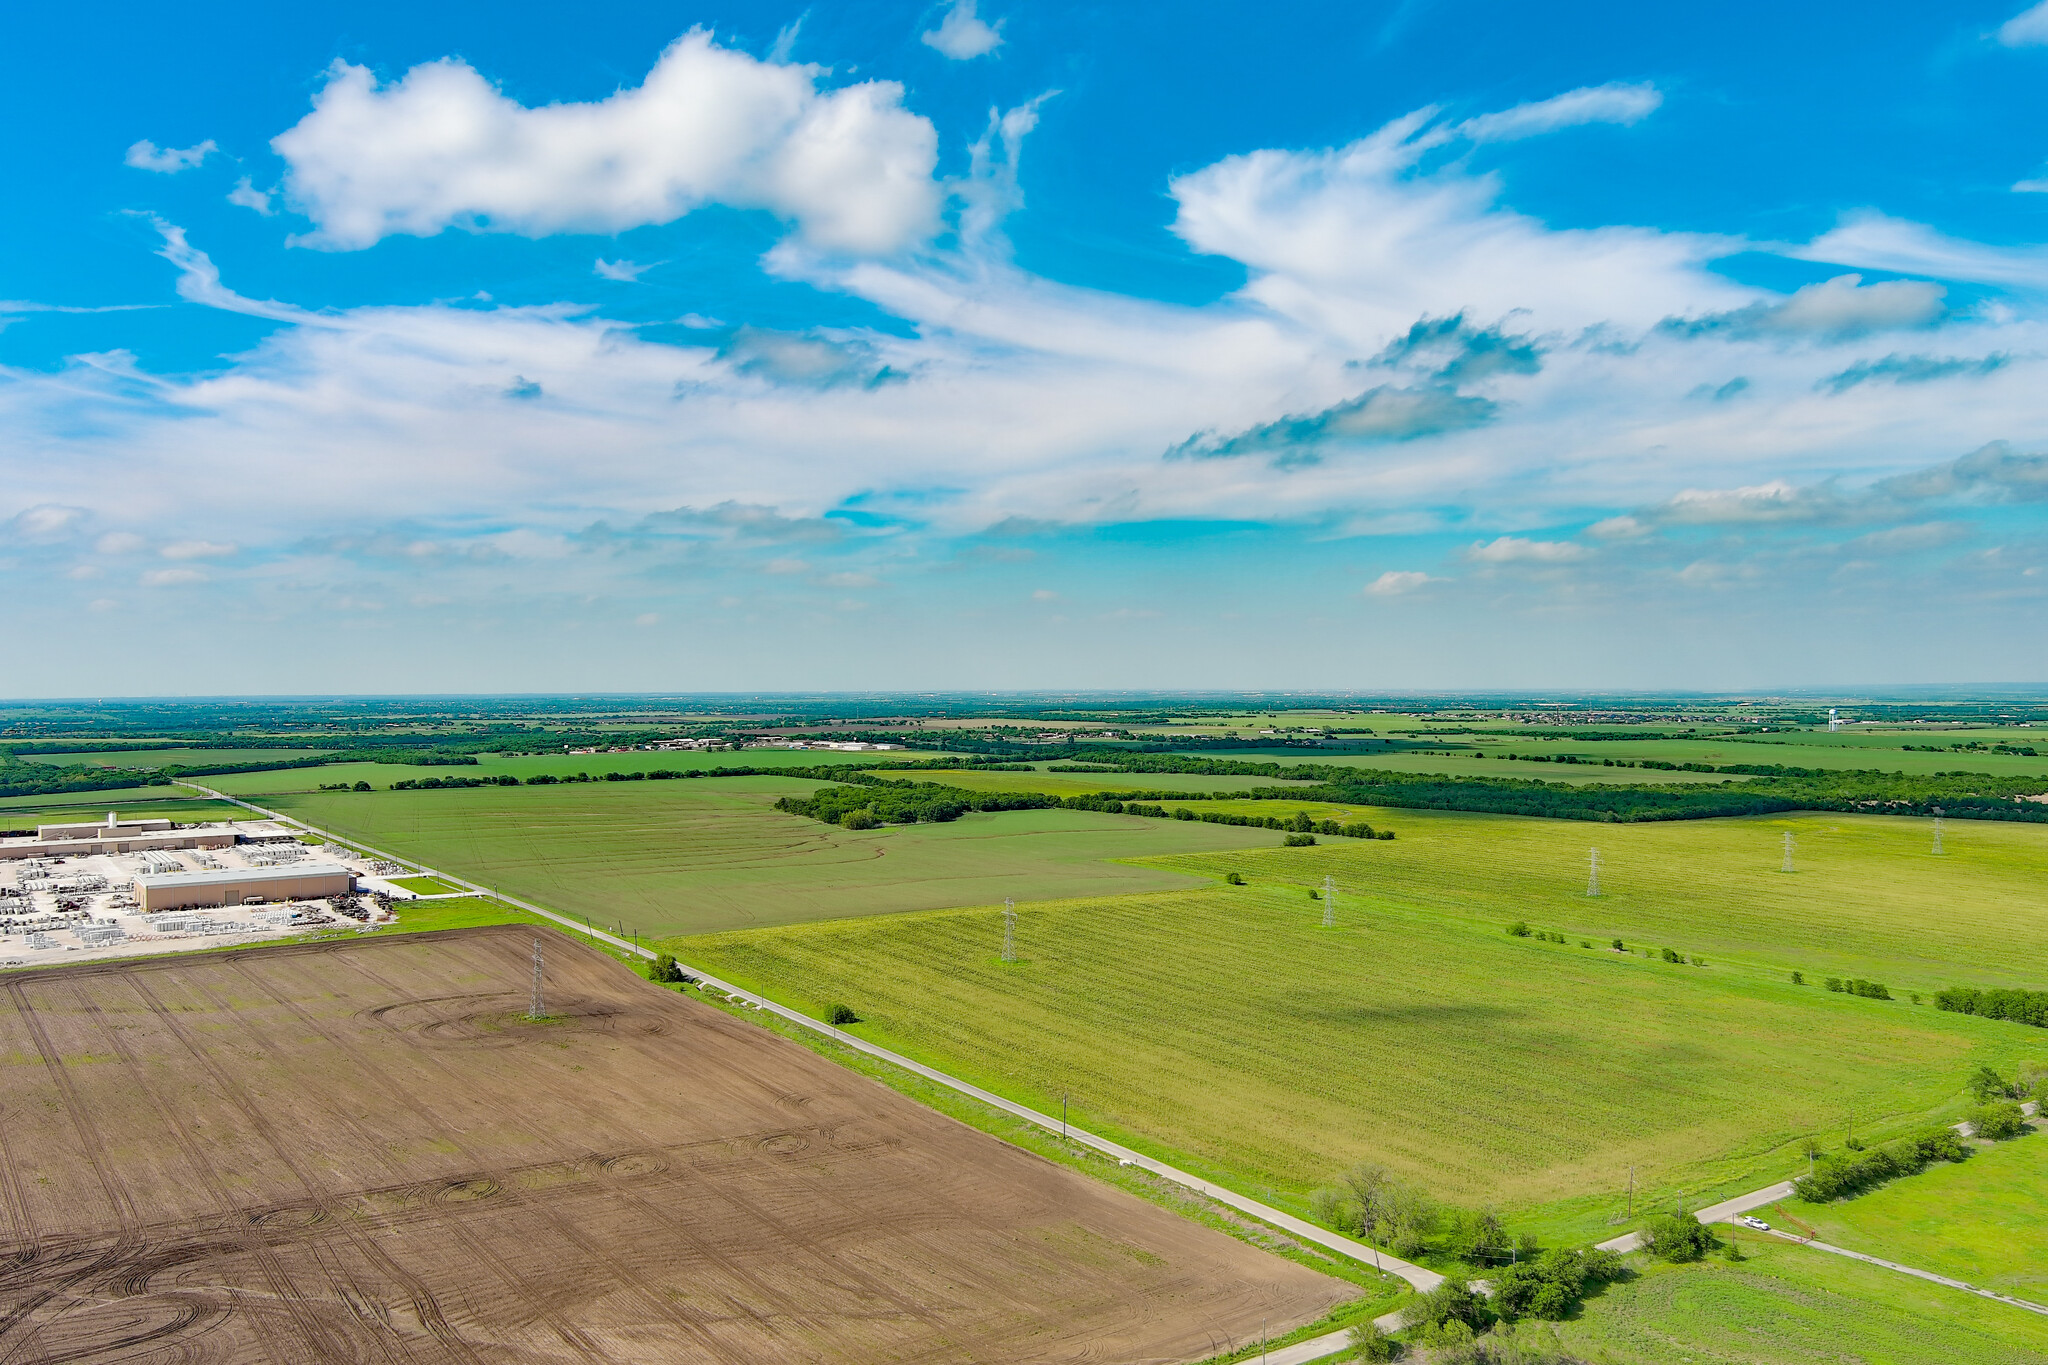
364,1152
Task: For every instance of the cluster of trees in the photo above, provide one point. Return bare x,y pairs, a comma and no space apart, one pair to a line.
1372,1203
1850,1172
2019,1006
874,802
1856,985
439,783
1453,1320
1550,1285
1770,788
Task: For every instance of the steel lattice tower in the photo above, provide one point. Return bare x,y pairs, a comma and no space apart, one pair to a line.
1329,902
1937,829
1009,930
1592,871
1788,852
539,1009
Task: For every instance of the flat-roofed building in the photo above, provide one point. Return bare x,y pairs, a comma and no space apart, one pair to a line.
113,827
114,835
241,886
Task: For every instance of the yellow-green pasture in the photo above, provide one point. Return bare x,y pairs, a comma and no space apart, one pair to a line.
1787,1305
1983,1221
691,855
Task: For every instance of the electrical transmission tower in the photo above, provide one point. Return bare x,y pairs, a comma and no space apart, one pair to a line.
1937,829
1329,902
538,1009
1009,930
1788,852
1592,871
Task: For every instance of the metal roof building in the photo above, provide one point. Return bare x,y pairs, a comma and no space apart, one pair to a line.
241,886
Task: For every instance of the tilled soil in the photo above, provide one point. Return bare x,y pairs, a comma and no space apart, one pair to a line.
363,1151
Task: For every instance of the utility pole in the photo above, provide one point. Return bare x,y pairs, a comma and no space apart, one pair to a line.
1788,852
1592,871
1329,901
1631,1192
1063,1114
1937,829
1009,930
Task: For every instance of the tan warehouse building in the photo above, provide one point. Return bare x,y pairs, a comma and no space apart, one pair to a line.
241,886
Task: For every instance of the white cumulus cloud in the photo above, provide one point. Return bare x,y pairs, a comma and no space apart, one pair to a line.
441,147
246,195
1398,582
961,35
173,578
2028,28
196,549
147,156
624,271
1518,550
1610,103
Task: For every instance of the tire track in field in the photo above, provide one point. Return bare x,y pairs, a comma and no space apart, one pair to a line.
24,1220
252,1244
310,1324
128,1237
801,1246
989,1286
563,1228
424,1299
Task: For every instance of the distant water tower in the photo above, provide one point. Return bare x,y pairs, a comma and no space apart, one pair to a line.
1834,720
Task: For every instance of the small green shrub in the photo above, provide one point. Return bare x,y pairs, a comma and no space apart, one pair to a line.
1298,840
1233,878
1678,1237
1619,946
1520,929
1799,978
839,1016
1368,1342
1673,955
862,818
1997,1121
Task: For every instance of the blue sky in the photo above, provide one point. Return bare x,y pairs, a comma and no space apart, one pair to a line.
524,348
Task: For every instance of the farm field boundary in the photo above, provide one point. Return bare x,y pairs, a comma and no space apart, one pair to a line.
1367,1255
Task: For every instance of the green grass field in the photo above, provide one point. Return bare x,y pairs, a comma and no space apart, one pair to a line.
133,803
1983,1221
425,886
712,853
382,775
1786,1305
1227,1027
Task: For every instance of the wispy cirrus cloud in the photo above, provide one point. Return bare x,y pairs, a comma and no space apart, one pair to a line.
1611,103
1912,369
